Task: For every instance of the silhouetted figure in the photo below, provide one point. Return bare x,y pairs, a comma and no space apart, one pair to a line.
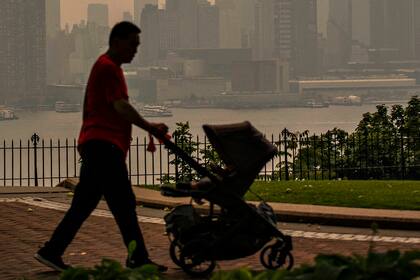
103,144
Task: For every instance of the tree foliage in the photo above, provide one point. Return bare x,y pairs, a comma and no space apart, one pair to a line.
385,145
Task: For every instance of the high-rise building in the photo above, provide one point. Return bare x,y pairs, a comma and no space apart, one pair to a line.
90,40
295,35
208,25
247,15
230,23
339,33
138,8
149,48
361,22
168,32
53,25
98,14
392,28
185,13
22,52
323,7
264,30
52,17
416,10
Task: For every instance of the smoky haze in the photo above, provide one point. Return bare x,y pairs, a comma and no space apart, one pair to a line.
219,54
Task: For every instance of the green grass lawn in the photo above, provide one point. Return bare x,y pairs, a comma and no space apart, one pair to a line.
404,195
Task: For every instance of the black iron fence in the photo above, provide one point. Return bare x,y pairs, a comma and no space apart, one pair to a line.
333,155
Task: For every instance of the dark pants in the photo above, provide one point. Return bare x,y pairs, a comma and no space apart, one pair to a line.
103,173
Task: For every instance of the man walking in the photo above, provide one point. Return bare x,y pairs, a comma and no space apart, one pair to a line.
103,144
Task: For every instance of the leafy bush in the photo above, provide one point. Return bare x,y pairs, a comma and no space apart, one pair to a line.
391,265
184,140
111,270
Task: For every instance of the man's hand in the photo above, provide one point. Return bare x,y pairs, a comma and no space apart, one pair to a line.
158,129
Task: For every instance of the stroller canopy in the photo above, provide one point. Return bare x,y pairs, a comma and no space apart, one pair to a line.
242,147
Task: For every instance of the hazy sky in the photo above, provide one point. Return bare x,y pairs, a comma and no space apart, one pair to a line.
73,11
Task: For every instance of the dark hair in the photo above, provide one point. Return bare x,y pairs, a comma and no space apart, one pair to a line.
122,29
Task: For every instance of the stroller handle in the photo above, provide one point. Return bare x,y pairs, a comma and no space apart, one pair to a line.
185,157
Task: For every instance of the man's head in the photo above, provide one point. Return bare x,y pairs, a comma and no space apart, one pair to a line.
124,41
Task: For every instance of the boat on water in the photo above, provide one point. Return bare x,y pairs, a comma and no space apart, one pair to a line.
7,114
314,104
150,111
351,100
64,107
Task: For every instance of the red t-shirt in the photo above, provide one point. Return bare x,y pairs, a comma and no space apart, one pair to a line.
106,84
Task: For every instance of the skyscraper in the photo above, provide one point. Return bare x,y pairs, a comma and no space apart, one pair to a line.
230,23
323,7
22,51
98,14
138,8
52,17
416,11
53,25
392,27
208,25
295,35
185,14
149,49
264,29
339,33
361,22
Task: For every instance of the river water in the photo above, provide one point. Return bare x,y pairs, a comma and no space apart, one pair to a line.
49,124
59,160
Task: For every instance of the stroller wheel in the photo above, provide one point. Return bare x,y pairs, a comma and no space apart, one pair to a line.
175,252
274,257
192,260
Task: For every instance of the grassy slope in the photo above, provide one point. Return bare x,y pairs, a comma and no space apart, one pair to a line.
404,195
366,194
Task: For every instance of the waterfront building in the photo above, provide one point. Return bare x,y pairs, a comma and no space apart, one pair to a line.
22,52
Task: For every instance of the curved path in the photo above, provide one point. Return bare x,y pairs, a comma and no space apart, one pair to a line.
28,220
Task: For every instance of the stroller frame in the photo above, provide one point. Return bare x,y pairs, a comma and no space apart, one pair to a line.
198,241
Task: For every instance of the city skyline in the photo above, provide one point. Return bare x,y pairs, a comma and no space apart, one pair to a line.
74,11
200,42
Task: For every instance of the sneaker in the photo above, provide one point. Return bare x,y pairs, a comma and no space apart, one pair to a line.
50,260
134,264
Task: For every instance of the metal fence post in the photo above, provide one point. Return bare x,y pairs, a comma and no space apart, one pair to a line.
35,140
286,164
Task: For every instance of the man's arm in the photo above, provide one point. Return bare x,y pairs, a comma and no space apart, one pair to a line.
124,108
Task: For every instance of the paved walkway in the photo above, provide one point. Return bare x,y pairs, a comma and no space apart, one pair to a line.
29,215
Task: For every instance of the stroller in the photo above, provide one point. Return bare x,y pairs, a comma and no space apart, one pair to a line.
237,229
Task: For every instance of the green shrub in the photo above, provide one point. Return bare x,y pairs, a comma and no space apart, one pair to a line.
391,265
111,270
